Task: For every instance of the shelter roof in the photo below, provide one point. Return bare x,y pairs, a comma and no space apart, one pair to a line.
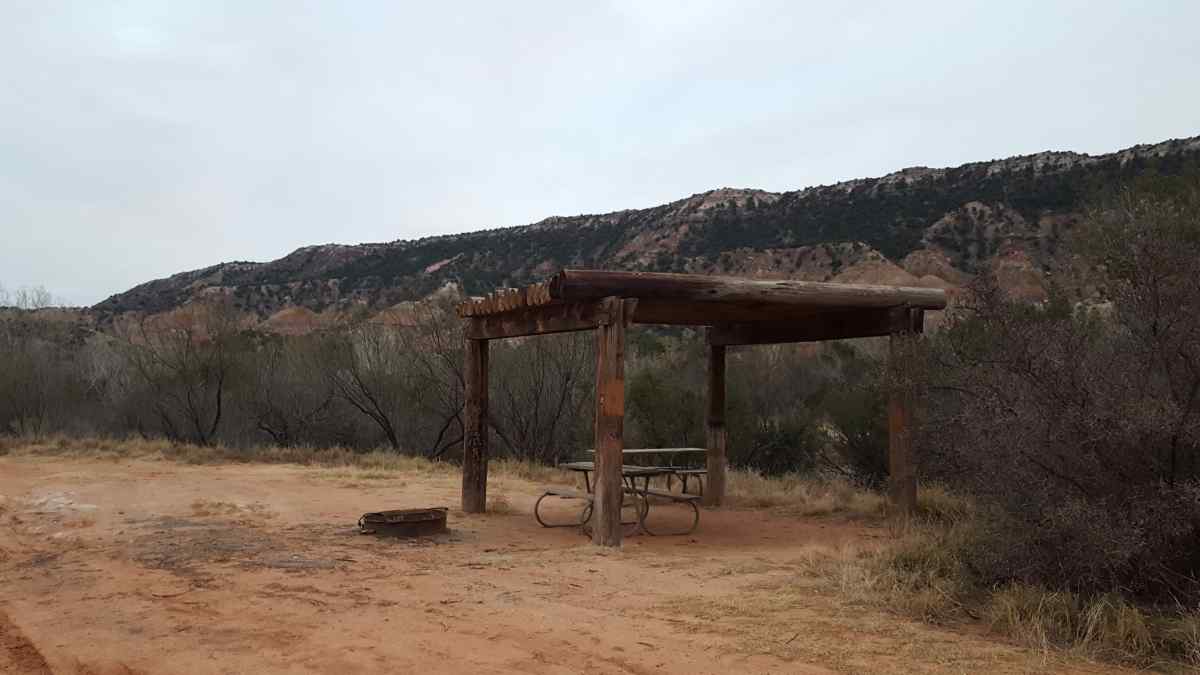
699,300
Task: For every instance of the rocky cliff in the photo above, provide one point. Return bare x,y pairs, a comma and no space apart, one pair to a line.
916,226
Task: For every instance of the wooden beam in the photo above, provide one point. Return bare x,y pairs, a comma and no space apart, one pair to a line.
695,313
916,321
826,326
575,285
610,426
475,432
714,492
539,320
504,300
902,470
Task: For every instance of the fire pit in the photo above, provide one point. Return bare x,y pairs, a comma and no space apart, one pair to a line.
404,522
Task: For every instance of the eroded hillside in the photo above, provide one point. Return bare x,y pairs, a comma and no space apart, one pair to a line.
919,226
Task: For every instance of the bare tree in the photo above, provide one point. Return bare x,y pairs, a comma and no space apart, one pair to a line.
364,366
26,297
435,343
403,374
32,297
187,360
288,399
1147,241
37,379
540,392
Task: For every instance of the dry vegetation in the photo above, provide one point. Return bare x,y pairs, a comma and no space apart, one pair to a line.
802,494
921,574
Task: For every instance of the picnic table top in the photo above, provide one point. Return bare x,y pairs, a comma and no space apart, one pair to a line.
626,469
654,451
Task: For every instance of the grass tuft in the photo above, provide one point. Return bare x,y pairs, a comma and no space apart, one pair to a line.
800,494
533,472
498,504
922,574
1106,627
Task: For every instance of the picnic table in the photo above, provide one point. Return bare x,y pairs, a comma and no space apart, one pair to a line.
682,472
640,494
629,473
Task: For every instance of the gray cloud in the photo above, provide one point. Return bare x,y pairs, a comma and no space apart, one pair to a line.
138,139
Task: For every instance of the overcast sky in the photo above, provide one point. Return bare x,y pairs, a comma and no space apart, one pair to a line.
139,139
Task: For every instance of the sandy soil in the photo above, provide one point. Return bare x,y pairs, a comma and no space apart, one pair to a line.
155,567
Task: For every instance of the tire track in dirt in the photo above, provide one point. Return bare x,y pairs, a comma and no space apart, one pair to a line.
17,653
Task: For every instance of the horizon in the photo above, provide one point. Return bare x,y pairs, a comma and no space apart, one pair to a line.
145,141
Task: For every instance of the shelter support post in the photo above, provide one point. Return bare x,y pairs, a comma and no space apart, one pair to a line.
714,492
902,470
610,423
475,432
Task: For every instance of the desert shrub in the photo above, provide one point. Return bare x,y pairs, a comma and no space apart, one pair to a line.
855,404
789,408
665,395
773,426
40,390
1079,430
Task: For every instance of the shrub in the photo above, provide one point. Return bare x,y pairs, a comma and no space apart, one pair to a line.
1080,431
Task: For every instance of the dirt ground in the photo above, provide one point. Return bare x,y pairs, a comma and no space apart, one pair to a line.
154,567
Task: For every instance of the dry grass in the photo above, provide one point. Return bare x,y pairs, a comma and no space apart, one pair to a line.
808,495
499,504
1107,627
530,471
921,574
915,579
792,613
209,507
801,494
937,504
373,465
68,446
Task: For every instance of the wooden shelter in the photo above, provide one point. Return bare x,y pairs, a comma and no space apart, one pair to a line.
736,311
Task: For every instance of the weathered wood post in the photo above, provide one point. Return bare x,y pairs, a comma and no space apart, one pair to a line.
610,424
714,492
902,470
475,432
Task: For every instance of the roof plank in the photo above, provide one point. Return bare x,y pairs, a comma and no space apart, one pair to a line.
589,284
699,300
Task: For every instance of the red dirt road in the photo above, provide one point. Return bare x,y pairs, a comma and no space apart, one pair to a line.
155,567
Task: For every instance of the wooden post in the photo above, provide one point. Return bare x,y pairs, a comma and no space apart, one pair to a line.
475,432
714,492
902,471
610,425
